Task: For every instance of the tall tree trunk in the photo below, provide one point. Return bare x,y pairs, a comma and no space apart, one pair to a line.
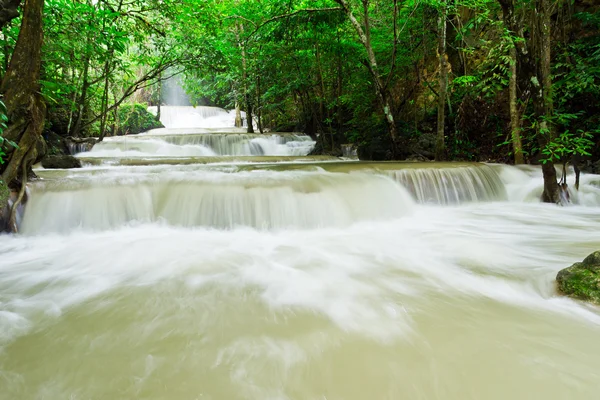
24,103
82,102
159,101
238,115
533,56
258,105
104,105
515,123
543,103
440,148
364,35
247,96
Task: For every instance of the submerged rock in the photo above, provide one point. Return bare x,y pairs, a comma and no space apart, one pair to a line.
61,162
582,280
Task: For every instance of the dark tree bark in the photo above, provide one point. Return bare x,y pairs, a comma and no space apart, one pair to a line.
440,147
533,59
9,10
24,103
21,91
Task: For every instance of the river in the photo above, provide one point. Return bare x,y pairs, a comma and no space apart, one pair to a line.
294,278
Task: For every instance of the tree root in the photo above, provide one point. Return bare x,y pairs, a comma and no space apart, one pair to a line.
12,222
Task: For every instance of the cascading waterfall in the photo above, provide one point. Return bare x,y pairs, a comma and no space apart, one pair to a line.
195,117
207,144
262,199
452,185
76,148
292,280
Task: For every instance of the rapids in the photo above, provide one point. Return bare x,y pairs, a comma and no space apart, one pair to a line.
274,278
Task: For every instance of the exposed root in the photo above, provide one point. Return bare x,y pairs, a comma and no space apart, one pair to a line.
13,212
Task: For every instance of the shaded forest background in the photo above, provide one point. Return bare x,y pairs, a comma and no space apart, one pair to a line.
396,79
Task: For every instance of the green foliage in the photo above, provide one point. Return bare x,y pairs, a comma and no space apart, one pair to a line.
301,65
134,119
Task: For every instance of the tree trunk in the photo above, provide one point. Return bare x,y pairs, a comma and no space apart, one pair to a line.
533,56
104,106
24,103
238,115
247,96
543,103
440,148
364,35
258,105
158,103
515,124
81,103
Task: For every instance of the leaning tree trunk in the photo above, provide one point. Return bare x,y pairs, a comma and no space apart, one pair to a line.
24,103
364,35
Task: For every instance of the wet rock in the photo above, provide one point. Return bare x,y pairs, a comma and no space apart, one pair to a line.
61,162
582,280
377,148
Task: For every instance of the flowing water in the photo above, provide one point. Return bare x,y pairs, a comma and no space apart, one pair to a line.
257,279
197,132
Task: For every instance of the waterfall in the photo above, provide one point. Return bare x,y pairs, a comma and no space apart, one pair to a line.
166,144
258,199
195,117
454,185
76,148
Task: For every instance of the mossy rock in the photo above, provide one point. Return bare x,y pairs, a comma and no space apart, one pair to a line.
135,118
582,280
61,162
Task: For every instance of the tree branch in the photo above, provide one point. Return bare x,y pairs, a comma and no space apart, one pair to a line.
278,17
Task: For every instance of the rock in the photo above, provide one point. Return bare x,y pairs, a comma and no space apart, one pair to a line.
582,280
61,162
134,119
56,144
376,148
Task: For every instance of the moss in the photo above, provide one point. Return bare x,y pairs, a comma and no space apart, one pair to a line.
4,193
582,280
135,118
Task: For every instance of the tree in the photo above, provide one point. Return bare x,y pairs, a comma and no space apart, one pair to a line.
440,148
533,55
25,107
364,36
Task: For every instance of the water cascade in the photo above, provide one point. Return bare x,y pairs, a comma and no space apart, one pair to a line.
165,143
262,199
452,185
195,117
76,148
279,278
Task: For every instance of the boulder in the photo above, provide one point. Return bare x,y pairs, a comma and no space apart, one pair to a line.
582,280
61,162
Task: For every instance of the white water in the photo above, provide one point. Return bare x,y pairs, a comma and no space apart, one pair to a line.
198,132
195,117
323,281
453,303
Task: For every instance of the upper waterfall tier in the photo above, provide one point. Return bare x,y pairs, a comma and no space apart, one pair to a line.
166,143
196,117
